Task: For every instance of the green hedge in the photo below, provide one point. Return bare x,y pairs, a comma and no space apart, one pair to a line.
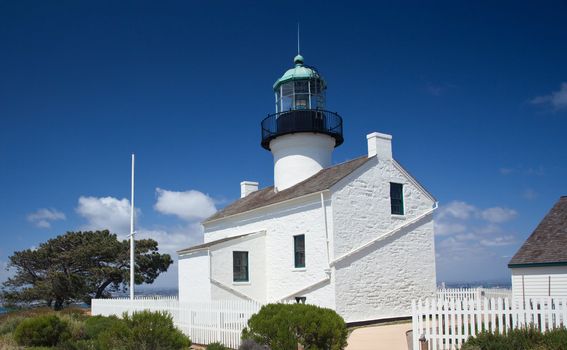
283,326
73,331
519,339
144,330
46,330
216,346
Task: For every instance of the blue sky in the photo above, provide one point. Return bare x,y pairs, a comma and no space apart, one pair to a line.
474,94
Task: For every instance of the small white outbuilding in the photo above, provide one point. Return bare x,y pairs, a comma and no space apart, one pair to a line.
539,268
356,237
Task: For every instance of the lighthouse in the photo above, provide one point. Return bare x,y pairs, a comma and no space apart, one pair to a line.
301,134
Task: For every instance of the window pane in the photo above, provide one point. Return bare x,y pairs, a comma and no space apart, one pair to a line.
240,266
397,198
301,101
287,103
301,87
287,89
299,250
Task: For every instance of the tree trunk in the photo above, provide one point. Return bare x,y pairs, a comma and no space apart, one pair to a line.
58,304
101,288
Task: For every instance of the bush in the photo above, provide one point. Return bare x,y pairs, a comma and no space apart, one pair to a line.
519,339
283,326
272,326
45,330
98,324
144,330
216,346
556,339
9,325
249,344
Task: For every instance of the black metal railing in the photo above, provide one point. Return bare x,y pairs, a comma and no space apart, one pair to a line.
302,120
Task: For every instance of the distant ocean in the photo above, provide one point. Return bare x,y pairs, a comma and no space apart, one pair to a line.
2,310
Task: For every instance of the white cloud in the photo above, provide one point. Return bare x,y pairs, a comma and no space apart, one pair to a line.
498,214
529,194
106,213
44,217
170,241
189,205
557,100
456,209
506,171
498,241
470,241
448,228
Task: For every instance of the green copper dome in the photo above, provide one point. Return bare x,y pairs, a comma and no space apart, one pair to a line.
299,72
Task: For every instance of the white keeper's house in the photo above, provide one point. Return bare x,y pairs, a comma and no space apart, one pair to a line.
356,237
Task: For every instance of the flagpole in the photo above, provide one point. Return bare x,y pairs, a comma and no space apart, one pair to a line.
132,235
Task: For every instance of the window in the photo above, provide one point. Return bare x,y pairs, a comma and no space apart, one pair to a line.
397,198
240,266
299,250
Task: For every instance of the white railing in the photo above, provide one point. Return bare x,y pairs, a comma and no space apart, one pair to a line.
447,323
473,293
217,321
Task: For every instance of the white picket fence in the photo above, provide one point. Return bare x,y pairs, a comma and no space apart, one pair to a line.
217,321
447,323
473,293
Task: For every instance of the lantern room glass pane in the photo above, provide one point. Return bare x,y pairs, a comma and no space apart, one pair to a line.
287,89
301,101
301,87
287,103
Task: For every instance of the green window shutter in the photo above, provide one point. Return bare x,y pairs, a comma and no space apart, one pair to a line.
240,266
397,198
299,250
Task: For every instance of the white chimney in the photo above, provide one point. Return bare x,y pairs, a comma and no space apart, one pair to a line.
247,187
379,145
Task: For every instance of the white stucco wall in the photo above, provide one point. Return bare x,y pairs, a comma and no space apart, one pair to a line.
381,281
222,269
536,282
281,222
193,271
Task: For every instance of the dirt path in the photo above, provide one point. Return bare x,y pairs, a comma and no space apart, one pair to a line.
382,337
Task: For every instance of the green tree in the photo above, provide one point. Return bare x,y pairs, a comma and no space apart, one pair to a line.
80,266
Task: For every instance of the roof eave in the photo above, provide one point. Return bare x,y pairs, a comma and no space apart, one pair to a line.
535,264
263,207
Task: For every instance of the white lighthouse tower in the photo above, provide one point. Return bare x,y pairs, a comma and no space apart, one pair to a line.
301,134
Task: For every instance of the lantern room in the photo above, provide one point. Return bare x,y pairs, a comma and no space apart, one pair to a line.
300,87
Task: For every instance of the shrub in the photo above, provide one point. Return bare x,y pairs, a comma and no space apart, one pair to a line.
249,344
519,339
98,324
272,326
45,330
9,324
283,326
556,339
216,346
144,330
320,328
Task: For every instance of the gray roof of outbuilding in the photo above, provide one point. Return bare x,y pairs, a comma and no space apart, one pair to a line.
321,181
207,245
547,245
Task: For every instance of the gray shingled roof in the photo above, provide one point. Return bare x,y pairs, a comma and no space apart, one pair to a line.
209,244
323,180
547,245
